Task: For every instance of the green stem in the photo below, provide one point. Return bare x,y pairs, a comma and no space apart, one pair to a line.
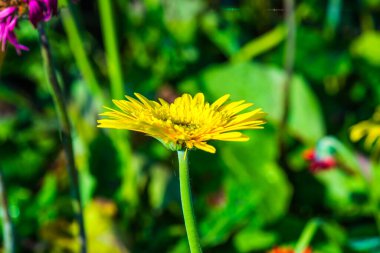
73,31
187,204
289,65
117,92
65,134
9,245
112,49
260,45
307,234
79,51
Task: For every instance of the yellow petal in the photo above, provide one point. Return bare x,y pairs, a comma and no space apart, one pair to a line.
229,107
220,101
199,99
205,147
231,136
241,108
144,100
163,102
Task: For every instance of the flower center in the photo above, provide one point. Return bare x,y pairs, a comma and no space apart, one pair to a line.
181,123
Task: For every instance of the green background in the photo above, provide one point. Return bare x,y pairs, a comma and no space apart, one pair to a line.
248,197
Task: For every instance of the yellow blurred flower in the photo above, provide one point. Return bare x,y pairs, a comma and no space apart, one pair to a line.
368,129
187,123
102,233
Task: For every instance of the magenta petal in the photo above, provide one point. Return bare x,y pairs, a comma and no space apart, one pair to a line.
7,25
7,11
52,6
13,40
41,10
36,12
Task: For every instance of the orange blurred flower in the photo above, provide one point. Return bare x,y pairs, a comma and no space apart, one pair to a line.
288,250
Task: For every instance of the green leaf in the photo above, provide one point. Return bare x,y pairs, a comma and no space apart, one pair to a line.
305,117
180,19
264,85
48,192
255,165
158,185
253,239
256,190
345,193
219,224
366,46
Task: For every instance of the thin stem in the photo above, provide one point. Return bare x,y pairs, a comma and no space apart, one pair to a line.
112,49
260,44
65,131
6,220
187,204
73,31
117,91
79,51
289,65
307,234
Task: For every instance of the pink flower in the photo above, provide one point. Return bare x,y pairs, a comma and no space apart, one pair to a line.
41,10
38,11
8,22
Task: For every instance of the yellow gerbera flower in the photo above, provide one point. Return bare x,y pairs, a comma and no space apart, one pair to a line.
187,122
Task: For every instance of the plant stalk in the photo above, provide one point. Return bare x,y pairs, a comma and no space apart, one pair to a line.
112,49
9,245
288,65
187,204
121,139
307,235
73,31
65,132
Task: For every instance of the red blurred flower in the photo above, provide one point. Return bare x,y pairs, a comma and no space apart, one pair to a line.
288,250
318,163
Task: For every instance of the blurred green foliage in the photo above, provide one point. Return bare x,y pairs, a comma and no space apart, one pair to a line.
249,196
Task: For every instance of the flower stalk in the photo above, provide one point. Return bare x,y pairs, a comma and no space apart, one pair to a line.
187,203
307,235
74,35
9,245
112,48
65,132
289,69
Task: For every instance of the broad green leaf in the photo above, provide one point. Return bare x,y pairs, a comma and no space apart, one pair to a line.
305,118
256,188
254,164
219,224
264,85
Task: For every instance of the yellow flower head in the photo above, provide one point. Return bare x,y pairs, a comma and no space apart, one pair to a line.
187,123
